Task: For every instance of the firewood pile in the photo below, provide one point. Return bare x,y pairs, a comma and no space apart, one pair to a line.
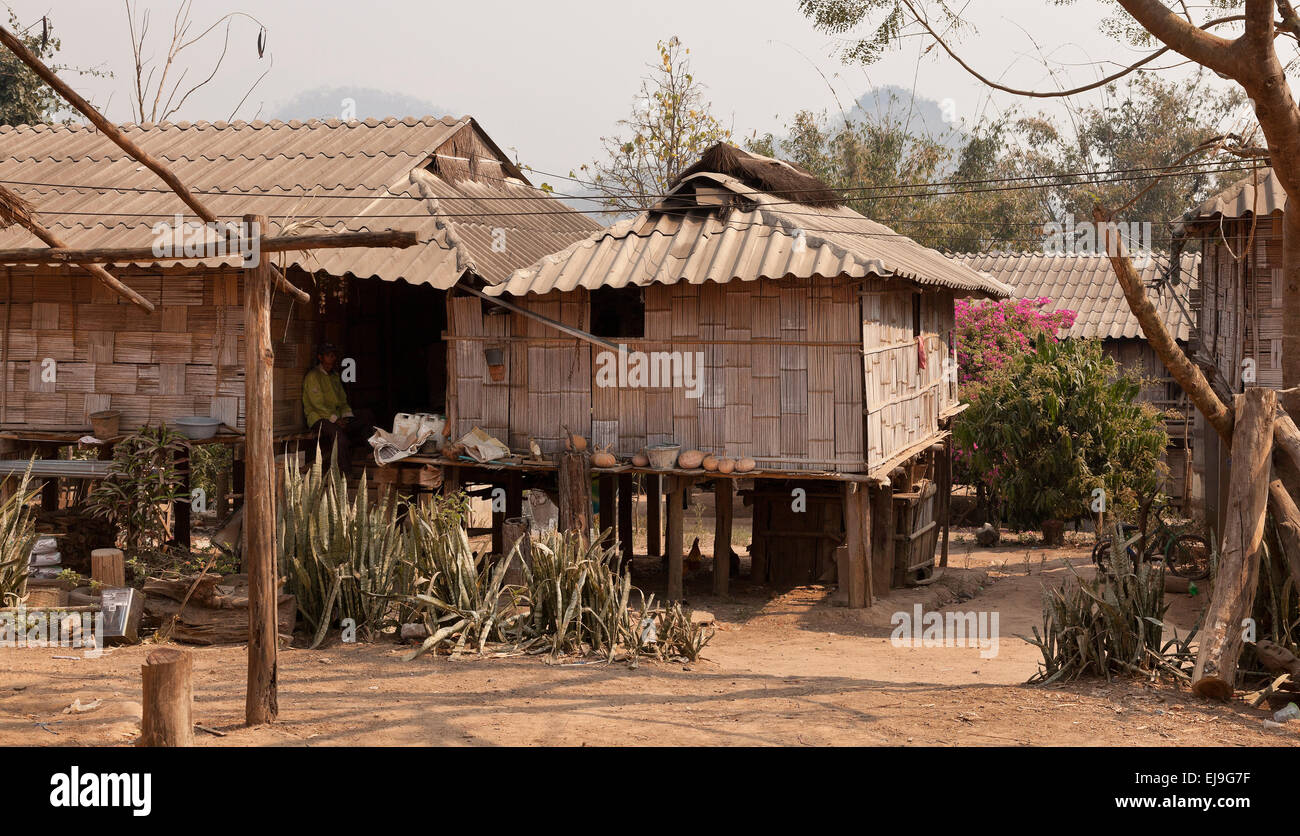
209,609
79,535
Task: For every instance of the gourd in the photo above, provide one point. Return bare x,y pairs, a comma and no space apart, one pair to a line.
690,460
574,442
641,460
710,462
726,465
745,465
603,458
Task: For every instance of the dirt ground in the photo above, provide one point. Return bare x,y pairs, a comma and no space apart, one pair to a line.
783,669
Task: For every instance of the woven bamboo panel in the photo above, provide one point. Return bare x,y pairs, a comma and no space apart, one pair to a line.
152,367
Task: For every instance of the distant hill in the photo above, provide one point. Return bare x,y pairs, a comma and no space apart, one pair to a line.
354,103
921,114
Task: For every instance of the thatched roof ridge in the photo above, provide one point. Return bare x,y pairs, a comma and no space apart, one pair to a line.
779,178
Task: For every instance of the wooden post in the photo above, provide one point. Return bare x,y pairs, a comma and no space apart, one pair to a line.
724,498
857,536
515,530
882,529
944,479
605,484
626,499
167,699
261,703
182,507
108,566
1287,516
220,487
677,488
653,523
1215,674
575,493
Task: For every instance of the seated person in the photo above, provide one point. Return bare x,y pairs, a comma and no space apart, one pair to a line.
328,414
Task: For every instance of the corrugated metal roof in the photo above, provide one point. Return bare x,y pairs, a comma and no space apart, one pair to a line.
1260,193
1087,285
752,236
294,172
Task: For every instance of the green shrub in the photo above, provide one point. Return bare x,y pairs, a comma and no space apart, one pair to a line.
1057,424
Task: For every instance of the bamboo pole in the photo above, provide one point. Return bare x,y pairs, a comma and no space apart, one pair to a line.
106,278
273,244
124,142
261,701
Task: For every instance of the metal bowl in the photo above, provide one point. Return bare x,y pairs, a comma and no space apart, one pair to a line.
197,427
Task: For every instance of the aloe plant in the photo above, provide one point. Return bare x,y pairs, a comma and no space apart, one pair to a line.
341,556
17,536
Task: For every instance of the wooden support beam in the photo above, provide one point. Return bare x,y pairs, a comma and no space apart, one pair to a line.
678,486
103,276
167,698
61,254
882,547
606,486
124,142
857,536
626,501
653,506
724,499
944,497
1235,584
261,703
181,507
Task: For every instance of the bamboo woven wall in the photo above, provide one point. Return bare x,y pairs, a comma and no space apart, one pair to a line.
783,373
186,358
904,398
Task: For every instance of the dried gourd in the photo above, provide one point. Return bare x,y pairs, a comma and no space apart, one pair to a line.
691,459
745,465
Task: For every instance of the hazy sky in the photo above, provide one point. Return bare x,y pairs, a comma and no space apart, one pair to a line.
548,78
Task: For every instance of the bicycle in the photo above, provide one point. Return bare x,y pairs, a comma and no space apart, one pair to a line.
1186,555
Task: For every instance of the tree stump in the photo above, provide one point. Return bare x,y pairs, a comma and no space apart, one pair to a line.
168,698
575,493
108,566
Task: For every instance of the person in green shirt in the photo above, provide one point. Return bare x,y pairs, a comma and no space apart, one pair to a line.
326,406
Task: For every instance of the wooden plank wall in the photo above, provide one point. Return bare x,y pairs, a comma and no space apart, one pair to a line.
184,359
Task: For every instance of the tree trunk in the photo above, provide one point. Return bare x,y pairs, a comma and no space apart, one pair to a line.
1287,517
1234,586
167,699
575,493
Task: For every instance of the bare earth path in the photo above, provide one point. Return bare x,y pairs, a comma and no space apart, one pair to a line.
788,669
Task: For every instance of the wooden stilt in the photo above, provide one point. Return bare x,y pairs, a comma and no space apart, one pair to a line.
882,547
944,498
182,505
606,486
653,522
677,488
626,499
167,699
261,702
724,497
857,531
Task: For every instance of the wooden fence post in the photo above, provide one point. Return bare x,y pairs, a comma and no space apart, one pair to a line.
261,703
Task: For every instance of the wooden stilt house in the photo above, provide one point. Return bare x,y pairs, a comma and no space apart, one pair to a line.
70,347
823,343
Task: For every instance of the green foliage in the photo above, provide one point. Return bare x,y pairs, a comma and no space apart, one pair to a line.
24,98
206,461
1056,424
670,126
341,556
17,536
143,480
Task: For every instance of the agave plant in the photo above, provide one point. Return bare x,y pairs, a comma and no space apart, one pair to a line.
341,556
17,536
